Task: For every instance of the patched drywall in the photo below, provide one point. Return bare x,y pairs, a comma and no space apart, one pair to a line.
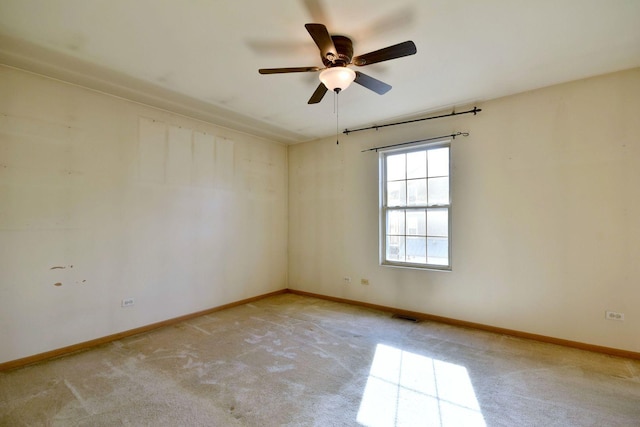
546,215
103,200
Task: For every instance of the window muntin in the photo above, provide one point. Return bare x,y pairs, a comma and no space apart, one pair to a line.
416,207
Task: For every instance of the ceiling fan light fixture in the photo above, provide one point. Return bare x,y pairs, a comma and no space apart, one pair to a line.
337,78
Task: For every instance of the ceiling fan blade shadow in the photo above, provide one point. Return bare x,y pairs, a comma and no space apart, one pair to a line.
290,48
371,83
318,94
321,36
389,22
391,52
288,70
316,10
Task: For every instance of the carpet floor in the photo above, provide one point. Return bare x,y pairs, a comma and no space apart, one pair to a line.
291,360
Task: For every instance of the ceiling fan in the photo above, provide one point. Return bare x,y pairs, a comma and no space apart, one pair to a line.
337,54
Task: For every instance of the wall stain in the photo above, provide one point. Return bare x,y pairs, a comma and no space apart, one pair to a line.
57,267
57,284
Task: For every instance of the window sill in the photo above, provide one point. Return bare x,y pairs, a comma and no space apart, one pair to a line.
446,269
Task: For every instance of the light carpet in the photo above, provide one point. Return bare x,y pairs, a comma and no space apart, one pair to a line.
290,360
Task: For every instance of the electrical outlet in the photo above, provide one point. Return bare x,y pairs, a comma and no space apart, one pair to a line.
364,281
346,280
613,315
128,302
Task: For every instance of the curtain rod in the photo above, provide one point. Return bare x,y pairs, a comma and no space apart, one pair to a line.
376,127
453,135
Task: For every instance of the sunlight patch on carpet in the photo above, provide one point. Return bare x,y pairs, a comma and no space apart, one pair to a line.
405,388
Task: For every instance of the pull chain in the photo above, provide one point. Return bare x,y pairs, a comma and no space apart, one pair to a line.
334,101
337,111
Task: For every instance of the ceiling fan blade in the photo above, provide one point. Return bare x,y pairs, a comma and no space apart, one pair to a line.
318,94
392,52
370,83
321,36
287,70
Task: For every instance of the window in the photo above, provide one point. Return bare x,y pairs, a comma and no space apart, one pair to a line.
415,214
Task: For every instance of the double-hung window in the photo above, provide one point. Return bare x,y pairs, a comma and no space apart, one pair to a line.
415,214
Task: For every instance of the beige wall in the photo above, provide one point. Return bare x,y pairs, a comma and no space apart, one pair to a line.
129,202
546,235
546,215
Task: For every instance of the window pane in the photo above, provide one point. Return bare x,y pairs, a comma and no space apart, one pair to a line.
396,193
396,167
438,250
438,189
395,248
417,164
438,161
417,192
395,222
417,249
416,223
438,222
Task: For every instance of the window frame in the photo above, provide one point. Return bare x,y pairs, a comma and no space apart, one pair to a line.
384,208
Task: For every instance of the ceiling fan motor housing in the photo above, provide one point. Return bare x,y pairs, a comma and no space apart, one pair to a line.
344,48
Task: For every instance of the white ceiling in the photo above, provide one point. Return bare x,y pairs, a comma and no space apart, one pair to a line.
201,58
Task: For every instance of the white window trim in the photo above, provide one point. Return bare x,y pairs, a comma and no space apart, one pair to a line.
383,209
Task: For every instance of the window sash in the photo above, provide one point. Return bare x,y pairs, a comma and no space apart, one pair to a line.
417,245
